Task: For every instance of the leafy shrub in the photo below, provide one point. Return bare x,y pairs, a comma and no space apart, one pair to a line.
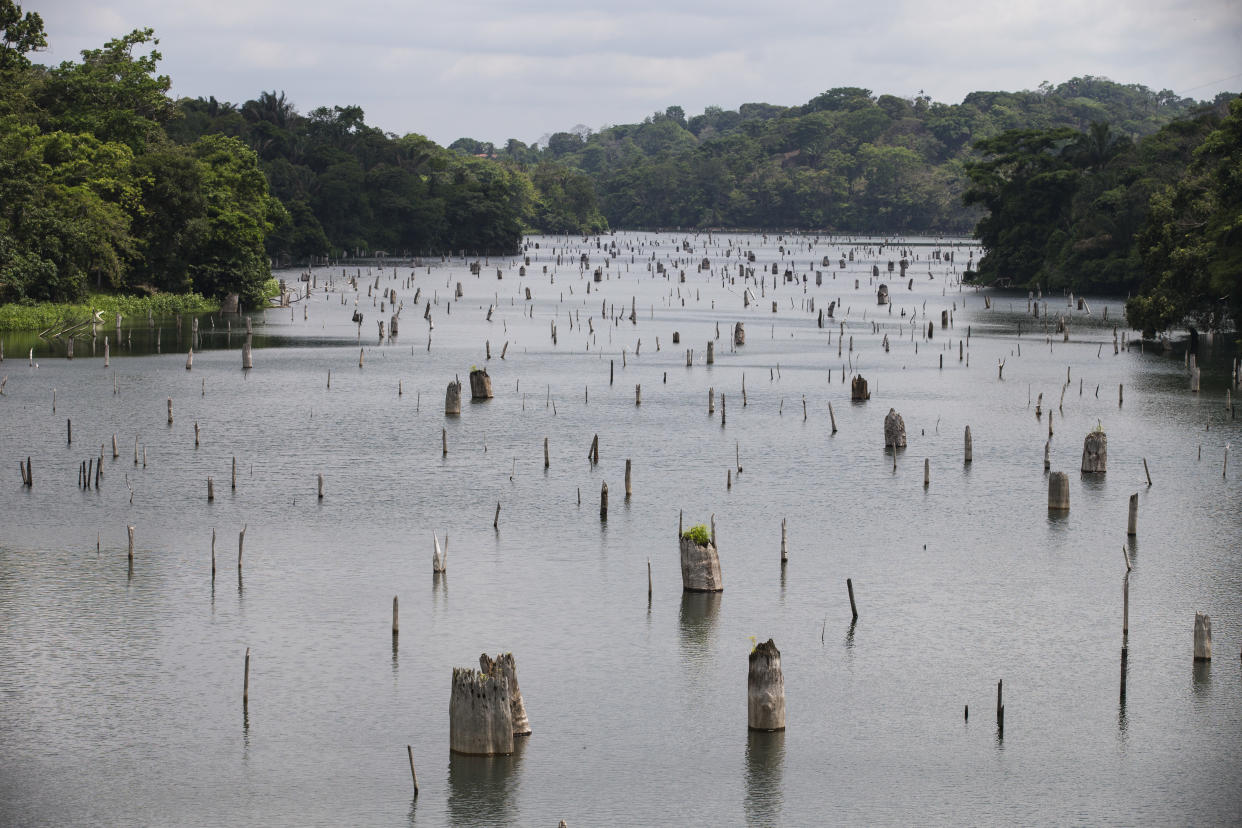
699,534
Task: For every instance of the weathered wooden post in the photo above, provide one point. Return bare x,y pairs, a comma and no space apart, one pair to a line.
241,544
1203,637
246,681
480,385
700,563
444,442
593,453
1094,451
130,531
603,502
452,399
504,664
1058,492
1000,708
894,430
211,490
926,472
784,543
628,489
247,355
1132,520
638,395
970,447
546,461
234,475
480,713
849,585
321,487
394,616
711,353
410,750
170,417
765,686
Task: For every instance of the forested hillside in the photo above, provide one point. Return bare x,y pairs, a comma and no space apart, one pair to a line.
845,161
1095,211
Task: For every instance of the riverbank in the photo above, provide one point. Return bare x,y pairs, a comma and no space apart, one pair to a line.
43,315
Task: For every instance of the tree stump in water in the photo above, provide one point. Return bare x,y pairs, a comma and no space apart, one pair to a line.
739,334
700,566
480,713
765,697
452,399
1058,492
504,665
1095,452
881,295
858,389
1203,637
480,385
894,430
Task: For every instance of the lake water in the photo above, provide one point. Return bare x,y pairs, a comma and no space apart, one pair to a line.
121,687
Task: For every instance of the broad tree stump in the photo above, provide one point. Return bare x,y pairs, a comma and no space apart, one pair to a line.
452,399
504,665
1095,452
480,713
765,697
1058,492
700,567
858,389
894,430
480,385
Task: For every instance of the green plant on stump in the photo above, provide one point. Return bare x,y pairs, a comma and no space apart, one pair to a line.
699,534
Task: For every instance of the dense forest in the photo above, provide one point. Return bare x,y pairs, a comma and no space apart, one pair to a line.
1096,211
93,194
846,161
108,184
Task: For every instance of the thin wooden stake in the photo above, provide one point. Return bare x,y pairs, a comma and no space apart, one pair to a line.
849,585
409,750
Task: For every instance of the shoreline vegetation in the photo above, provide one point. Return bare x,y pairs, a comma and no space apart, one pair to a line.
107,183
40,316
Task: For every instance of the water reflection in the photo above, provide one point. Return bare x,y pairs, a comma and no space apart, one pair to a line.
765,759
482,789
439,589
1201,674
697,620
849,635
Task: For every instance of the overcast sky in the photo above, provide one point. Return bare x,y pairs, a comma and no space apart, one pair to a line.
525,68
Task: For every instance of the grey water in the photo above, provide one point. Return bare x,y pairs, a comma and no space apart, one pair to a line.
121,686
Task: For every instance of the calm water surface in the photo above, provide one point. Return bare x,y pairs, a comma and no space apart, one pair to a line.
120,687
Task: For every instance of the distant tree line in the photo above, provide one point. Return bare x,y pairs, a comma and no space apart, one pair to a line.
846,161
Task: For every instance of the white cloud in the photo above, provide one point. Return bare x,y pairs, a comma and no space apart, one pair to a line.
494,69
